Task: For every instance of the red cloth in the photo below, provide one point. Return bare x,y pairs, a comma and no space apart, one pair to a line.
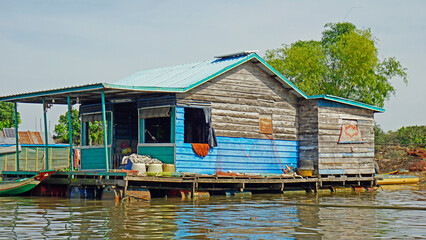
201,149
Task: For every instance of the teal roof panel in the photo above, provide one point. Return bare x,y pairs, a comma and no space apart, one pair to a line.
348,102
181,77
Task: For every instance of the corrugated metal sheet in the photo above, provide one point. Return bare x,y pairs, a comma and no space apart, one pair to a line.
36,138
181,76
9,132
25,137
30,138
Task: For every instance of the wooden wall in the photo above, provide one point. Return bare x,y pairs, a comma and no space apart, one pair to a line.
354,158
308,130
240,96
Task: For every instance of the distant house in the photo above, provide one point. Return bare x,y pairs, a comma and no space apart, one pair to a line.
7,137
31,154
231,113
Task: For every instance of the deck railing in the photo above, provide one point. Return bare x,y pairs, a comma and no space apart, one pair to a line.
32,158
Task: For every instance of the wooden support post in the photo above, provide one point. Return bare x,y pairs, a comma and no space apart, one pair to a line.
193,188
46,139
70,132
243,186
16,137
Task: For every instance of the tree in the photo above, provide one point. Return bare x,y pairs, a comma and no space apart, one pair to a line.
344,63
61,129
7,115
412,135
96,135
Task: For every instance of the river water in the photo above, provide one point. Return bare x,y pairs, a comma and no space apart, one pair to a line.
265,216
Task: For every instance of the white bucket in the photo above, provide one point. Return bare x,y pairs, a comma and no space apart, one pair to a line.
155,167
140,167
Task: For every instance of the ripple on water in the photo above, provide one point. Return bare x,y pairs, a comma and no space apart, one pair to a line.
259,217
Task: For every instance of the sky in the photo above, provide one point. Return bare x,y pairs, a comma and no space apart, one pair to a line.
53,44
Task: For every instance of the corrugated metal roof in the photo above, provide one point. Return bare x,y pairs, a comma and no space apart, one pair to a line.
30,138
9,132
25,137
347,101
180,76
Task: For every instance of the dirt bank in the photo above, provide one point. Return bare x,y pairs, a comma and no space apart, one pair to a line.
392,158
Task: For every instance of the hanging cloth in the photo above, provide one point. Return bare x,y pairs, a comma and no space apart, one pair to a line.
201,149
211,138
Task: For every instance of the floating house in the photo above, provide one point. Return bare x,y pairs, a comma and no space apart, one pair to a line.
230,113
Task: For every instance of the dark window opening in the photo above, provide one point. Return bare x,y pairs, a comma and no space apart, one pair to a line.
157,130
125,128
196,129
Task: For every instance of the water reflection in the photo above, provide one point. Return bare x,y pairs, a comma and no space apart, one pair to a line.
259,217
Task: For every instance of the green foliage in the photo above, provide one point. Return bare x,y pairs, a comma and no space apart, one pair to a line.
383,138
61,129
96,136
7,115
96,133
411,136
344,63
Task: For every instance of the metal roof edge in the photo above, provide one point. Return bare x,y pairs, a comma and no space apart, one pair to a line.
86,87
347,101
145,89
244,60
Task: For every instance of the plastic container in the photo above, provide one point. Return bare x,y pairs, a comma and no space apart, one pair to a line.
140,167
304,173
169,168
155,168
305,164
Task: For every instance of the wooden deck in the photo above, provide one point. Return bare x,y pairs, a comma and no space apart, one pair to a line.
214,184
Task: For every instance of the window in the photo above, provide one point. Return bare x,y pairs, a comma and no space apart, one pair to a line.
157,130
92,126
195,126
349,132
156,124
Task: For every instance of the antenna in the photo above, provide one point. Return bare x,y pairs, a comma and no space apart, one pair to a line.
344,19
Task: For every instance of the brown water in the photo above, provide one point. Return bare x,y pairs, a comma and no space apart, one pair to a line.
271,216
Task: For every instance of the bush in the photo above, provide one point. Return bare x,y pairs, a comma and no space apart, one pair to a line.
410,136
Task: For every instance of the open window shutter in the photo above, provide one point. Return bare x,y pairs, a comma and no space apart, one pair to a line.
154,112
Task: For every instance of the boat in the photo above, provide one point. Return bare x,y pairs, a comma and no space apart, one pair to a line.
388,179
16,187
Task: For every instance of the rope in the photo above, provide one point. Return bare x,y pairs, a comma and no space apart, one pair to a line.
275,152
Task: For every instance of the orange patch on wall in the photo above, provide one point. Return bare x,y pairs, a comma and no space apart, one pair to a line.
265,125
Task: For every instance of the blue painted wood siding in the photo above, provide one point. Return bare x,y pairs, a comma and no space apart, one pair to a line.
244,155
